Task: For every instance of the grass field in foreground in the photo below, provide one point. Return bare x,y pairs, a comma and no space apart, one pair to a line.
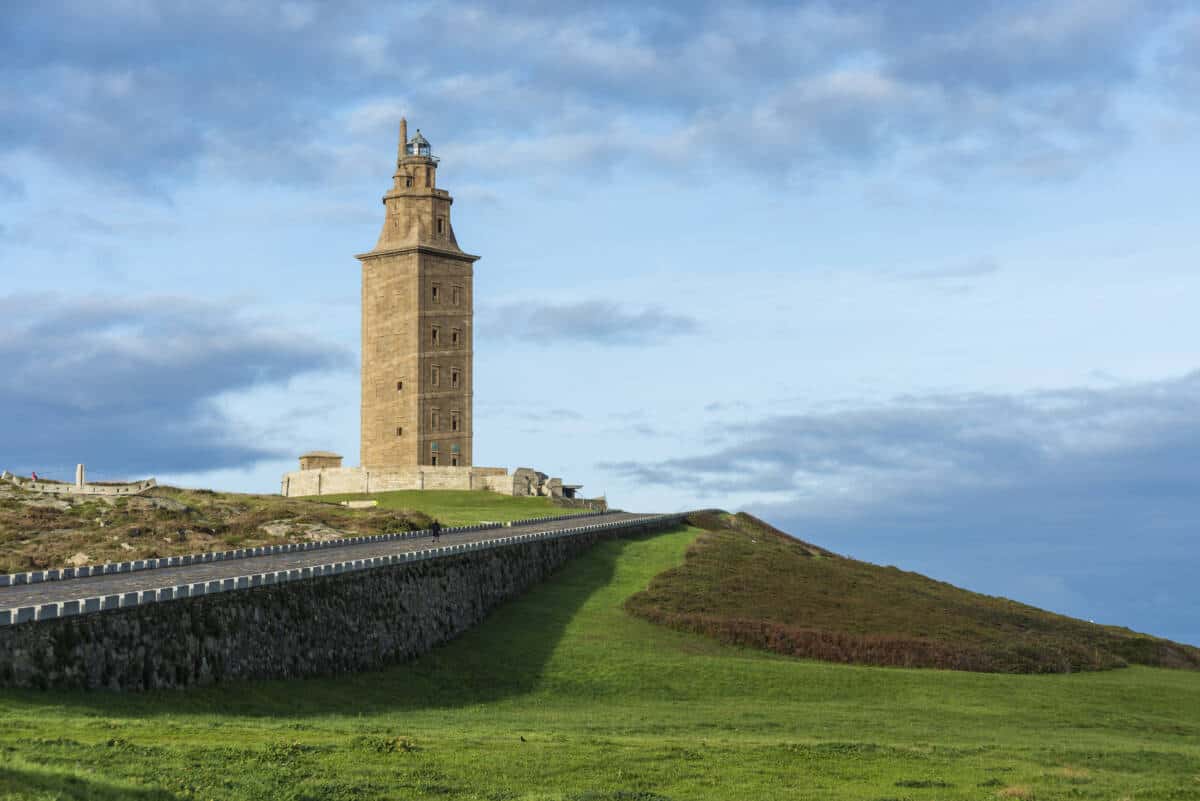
562,695
460,507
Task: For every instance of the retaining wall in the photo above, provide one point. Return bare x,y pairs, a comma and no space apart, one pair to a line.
320,621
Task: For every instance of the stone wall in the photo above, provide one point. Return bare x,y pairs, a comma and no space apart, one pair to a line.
312,627
357,480
361,480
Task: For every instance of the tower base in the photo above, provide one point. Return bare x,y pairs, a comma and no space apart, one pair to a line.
523,481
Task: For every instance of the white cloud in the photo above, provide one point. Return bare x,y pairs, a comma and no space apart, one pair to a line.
295,15
371,51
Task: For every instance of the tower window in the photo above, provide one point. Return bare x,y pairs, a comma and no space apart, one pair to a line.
441,226
454,377
399,431
454,422
455,337
453,461
433,453
456,295
434,420
435,375
435,335
399,386
434,292
408,181
428,177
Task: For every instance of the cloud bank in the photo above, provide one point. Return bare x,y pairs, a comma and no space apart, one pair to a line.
909,453
595,322
130,385
147,93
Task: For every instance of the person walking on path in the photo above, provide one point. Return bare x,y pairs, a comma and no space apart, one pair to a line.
436,528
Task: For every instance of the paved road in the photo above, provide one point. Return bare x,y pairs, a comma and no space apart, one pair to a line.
112,584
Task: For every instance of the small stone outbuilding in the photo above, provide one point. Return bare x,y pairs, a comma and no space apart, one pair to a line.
320,460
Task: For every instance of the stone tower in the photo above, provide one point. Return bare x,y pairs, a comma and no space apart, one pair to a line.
416,325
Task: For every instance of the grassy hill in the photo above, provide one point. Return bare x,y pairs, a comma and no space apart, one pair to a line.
563,696
39,531
745,583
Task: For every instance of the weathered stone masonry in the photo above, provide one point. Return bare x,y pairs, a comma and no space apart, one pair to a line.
322,626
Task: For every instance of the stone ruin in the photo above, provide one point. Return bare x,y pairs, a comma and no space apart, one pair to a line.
527,481
80,486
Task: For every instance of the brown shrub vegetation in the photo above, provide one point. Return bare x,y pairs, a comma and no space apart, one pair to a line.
746,583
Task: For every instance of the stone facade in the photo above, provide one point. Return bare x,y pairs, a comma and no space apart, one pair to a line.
319,626
417,319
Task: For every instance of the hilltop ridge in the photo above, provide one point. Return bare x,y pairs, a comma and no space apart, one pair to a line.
744,582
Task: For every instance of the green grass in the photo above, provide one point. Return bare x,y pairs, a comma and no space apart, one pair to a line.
460,507
746,583
563,696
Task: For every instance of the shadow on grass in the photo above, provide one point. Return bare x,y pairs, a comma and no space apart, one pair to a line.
502,657
69,787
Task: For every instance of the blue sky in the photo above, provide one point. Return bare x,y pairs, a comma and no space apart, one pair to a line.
916,281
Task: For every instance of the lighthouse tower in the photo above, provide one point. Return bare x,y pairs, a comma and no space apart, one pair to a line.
416,324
